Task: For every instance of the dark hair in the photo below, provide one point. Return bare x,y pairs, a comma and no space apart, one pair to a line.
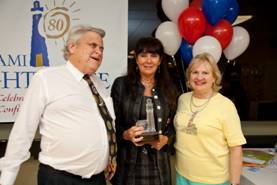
164,81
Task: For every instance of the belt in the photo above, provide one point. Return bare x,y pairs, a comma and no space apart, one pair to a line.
51,169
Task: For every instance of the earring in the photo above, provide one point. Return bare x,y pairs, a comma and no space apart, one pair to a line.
213,85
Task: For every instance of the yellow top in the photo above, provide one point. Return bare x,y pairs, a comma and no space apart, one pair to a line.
204,156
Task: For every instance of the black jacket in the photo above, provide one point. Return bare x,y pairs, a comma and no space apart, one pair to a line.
127,111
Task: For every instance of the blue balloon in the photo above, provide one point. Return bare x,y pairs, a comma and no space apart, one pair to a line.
214,10
186,51
232,11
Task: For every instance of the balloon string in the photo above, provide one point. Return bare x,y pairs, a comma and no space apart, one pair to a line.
175,65
173,60
224,69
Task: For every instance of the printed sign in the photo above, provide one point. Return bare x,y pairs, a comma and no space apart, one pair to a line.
33,34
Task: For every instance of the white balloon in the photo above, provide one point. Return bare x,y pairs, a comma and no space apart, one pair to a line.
173,8
167,32
207,44
238,44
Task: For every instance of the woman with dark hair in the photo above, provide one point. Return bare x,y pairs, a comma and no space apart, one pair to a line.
144,162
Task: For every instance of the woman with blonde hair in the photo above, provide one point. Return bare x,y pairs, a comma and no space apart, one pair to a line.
208,130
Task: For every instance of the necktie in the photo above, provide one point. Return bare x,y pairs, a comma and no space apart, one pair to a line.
107,119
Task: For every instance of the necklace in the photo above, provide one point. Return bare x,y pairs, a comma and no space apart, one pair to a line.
191,127
192,103
199,107
148,83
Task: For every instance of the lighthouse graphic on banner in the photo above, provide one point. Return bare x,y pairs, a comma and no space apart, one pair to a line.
39,54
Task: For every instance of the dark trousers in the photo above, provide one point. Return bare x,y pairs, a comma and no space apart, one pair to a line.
50,176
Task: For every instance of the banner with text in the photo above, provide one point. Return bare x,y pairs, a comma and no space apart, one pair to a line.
33,34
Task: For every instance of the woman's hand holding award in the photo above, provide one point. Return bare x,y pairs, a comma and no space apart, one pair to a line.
150,133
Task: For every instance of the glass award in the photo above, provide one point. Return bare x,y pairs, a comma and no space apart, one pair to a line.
150,133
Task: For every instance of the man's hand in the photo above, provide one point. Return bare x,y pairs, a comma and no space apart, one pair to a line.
110,170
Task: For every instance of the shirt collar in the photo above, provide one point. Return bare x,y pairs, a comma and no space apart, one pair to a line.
78,75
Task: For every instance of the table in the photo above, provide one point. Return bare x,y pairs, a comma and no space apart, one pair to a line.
261,176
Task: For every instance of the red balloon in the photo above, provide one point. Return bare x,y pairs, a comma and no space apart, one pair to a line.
222,31
192,24
197,4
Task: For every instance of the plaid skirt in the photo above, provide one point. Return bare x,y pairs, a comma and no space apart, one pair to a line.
147,172
142,166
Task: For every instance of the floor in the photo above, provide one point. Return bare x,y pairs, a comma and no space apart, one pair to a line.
28,173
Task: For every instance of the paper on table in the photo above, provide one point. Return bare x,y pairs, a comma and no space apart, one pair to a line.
256,156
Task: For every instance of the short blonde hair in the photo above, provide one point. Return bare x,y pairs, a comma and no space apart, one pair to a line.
209,59
76,34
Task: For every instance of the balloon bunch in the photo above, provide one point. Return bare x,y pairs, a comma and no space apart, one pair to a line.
202,26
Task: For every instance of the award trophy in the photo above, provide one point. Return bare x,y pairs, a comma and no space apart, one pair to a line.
150,133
